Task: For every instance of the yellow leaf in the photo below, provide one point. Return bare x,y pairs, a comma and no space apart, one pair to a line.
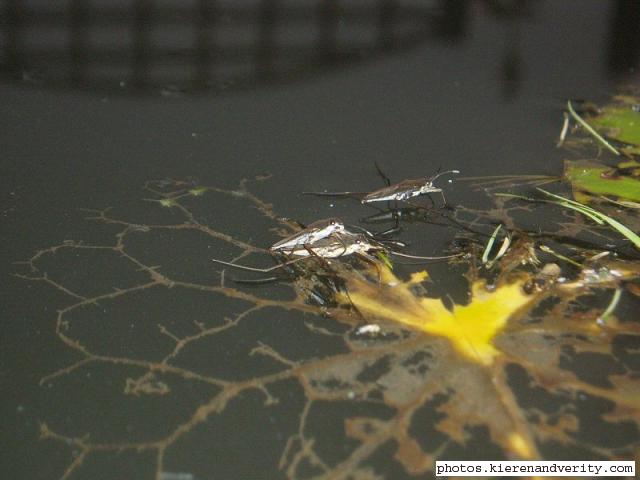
419,277
470,328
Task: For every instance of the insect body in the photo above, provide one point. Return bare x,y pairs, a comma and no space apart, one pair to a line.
401,191
406,189
338,244
330,245
308,236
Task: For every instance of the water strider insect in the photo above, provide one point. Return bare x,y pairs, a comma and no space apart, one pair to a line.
336,244
319,230
406,189
340,245
401,191
309,235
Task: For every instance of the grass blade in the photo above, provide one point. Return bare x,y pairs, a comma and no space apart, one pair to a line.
492,239
590,129
595,214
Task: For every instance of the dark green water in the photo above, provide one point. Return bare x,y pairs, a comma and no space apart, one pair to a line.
313,96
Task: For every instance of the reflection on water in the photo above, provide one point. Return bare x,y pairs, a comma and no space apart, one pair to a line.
174,47
624,37
204,45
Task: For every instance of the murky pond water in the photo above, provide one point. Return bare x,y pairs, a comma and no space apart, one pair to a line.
142,139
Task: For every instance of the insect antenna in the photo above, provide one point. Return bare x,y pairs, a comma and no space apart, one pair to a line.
356,195
431,179
395,243
375,235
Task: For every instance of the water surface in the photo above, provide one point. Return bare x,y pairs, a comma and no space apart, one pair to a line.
313,97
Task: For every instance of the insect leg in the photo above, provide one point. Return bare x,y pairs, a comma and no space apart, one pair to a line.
256,281
261,270
433,203
394,208
405,255
389,231
353,305
356,195
382,174
372,260
319,258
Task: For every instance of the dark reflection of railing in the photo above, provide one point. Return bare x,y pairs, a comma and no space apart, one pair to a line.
208,44
624,38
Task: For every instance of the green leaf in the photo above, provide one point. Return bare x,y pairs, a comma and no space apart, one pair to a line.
591,177
622,123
